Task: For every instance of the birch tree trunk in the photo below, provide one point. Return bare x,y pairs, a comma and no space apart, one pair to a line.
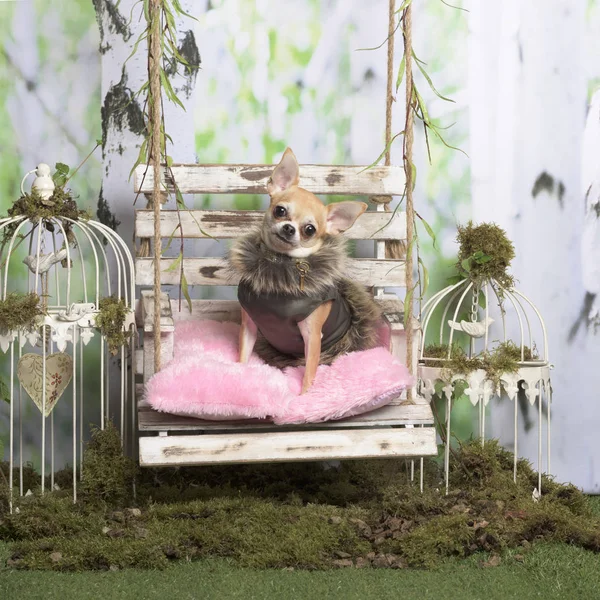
122,113
528,98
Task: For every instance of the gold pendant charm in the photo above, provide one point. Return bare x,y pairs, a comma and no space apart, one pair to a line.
303,268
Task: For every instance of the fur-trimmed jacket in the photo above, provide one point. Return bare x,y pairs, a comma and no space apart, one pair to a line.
278,291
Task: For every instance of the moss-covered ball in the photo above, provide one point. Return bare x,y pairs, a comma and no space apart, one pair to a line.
485,253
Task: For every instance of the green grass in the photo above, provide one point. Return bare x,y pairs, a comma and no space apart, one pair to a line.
547,571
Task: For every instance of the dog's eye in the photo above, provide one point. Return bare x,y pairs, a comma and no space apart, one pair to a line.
280,211
310,230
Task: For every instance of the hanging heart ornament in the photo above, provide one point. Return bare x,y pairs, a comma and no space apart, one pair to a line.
59,372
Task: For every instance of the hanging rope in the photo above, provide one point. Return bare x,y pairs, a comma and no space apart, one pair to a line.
390,78
393,248
154,57
408,171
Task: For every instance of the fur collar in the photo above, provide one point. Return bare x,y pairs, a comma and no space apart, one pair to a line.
268,272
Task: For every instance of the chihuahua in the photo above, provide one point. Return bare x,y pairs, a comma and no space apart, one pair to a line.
298,306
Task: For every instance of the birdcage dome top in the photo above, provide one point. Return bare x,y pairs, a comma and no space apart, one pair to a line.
71,262
481,317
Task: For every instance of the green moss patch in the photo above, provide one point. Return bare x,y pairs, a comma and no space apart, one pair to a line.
109,475
363,514
61,205
19,311
111,321
505,357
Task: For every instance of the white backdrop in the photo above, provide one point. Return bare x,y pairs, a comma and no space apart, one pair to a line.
528,91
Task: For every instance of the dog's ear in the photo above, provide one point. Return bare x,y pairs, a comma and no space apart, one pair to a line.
285,174
341,215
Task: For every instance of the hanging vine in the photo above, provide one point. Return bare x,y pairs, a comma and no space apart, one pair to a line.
401,20
164,61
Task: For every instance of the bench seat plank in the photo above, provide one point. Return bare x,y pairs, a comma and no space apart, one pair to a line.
392,415
287,446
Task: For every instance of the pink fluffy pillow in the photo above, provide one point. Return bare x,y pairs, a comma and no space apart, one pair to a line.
205,380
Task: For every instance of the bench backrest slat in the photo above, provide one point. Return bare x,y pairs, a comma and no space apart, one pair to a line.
252,179
212,271
229,224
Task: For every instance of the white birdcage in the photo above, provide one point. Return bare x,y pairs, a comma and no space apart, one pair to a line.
65,337
465,311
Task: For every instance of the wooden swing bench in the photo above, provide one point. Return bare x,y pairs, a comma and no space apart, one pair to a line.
401,429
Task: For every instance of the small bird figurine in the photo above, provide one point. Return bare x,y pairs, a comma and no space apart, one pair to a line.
43,183
43,263
475,329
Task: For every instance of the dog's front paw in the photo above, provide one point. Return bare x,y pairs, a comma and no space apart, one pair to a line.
306,385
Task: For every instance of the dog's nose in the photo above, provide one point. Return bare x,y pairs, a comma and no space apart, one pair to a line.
288,230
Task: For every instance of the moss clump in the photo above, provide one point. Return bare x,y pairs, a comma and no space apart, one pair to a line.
60,205
108,474
487,511
459,362
302,516
504,358
439,537
111,321
49,516
485,253
30,481
19,311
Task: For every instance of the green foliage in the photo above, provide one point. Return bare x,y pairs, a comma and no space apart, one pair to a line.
61,174
31,480
301,516
111,322
19,312
485,253
50,516
487,511
545,571
440,537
